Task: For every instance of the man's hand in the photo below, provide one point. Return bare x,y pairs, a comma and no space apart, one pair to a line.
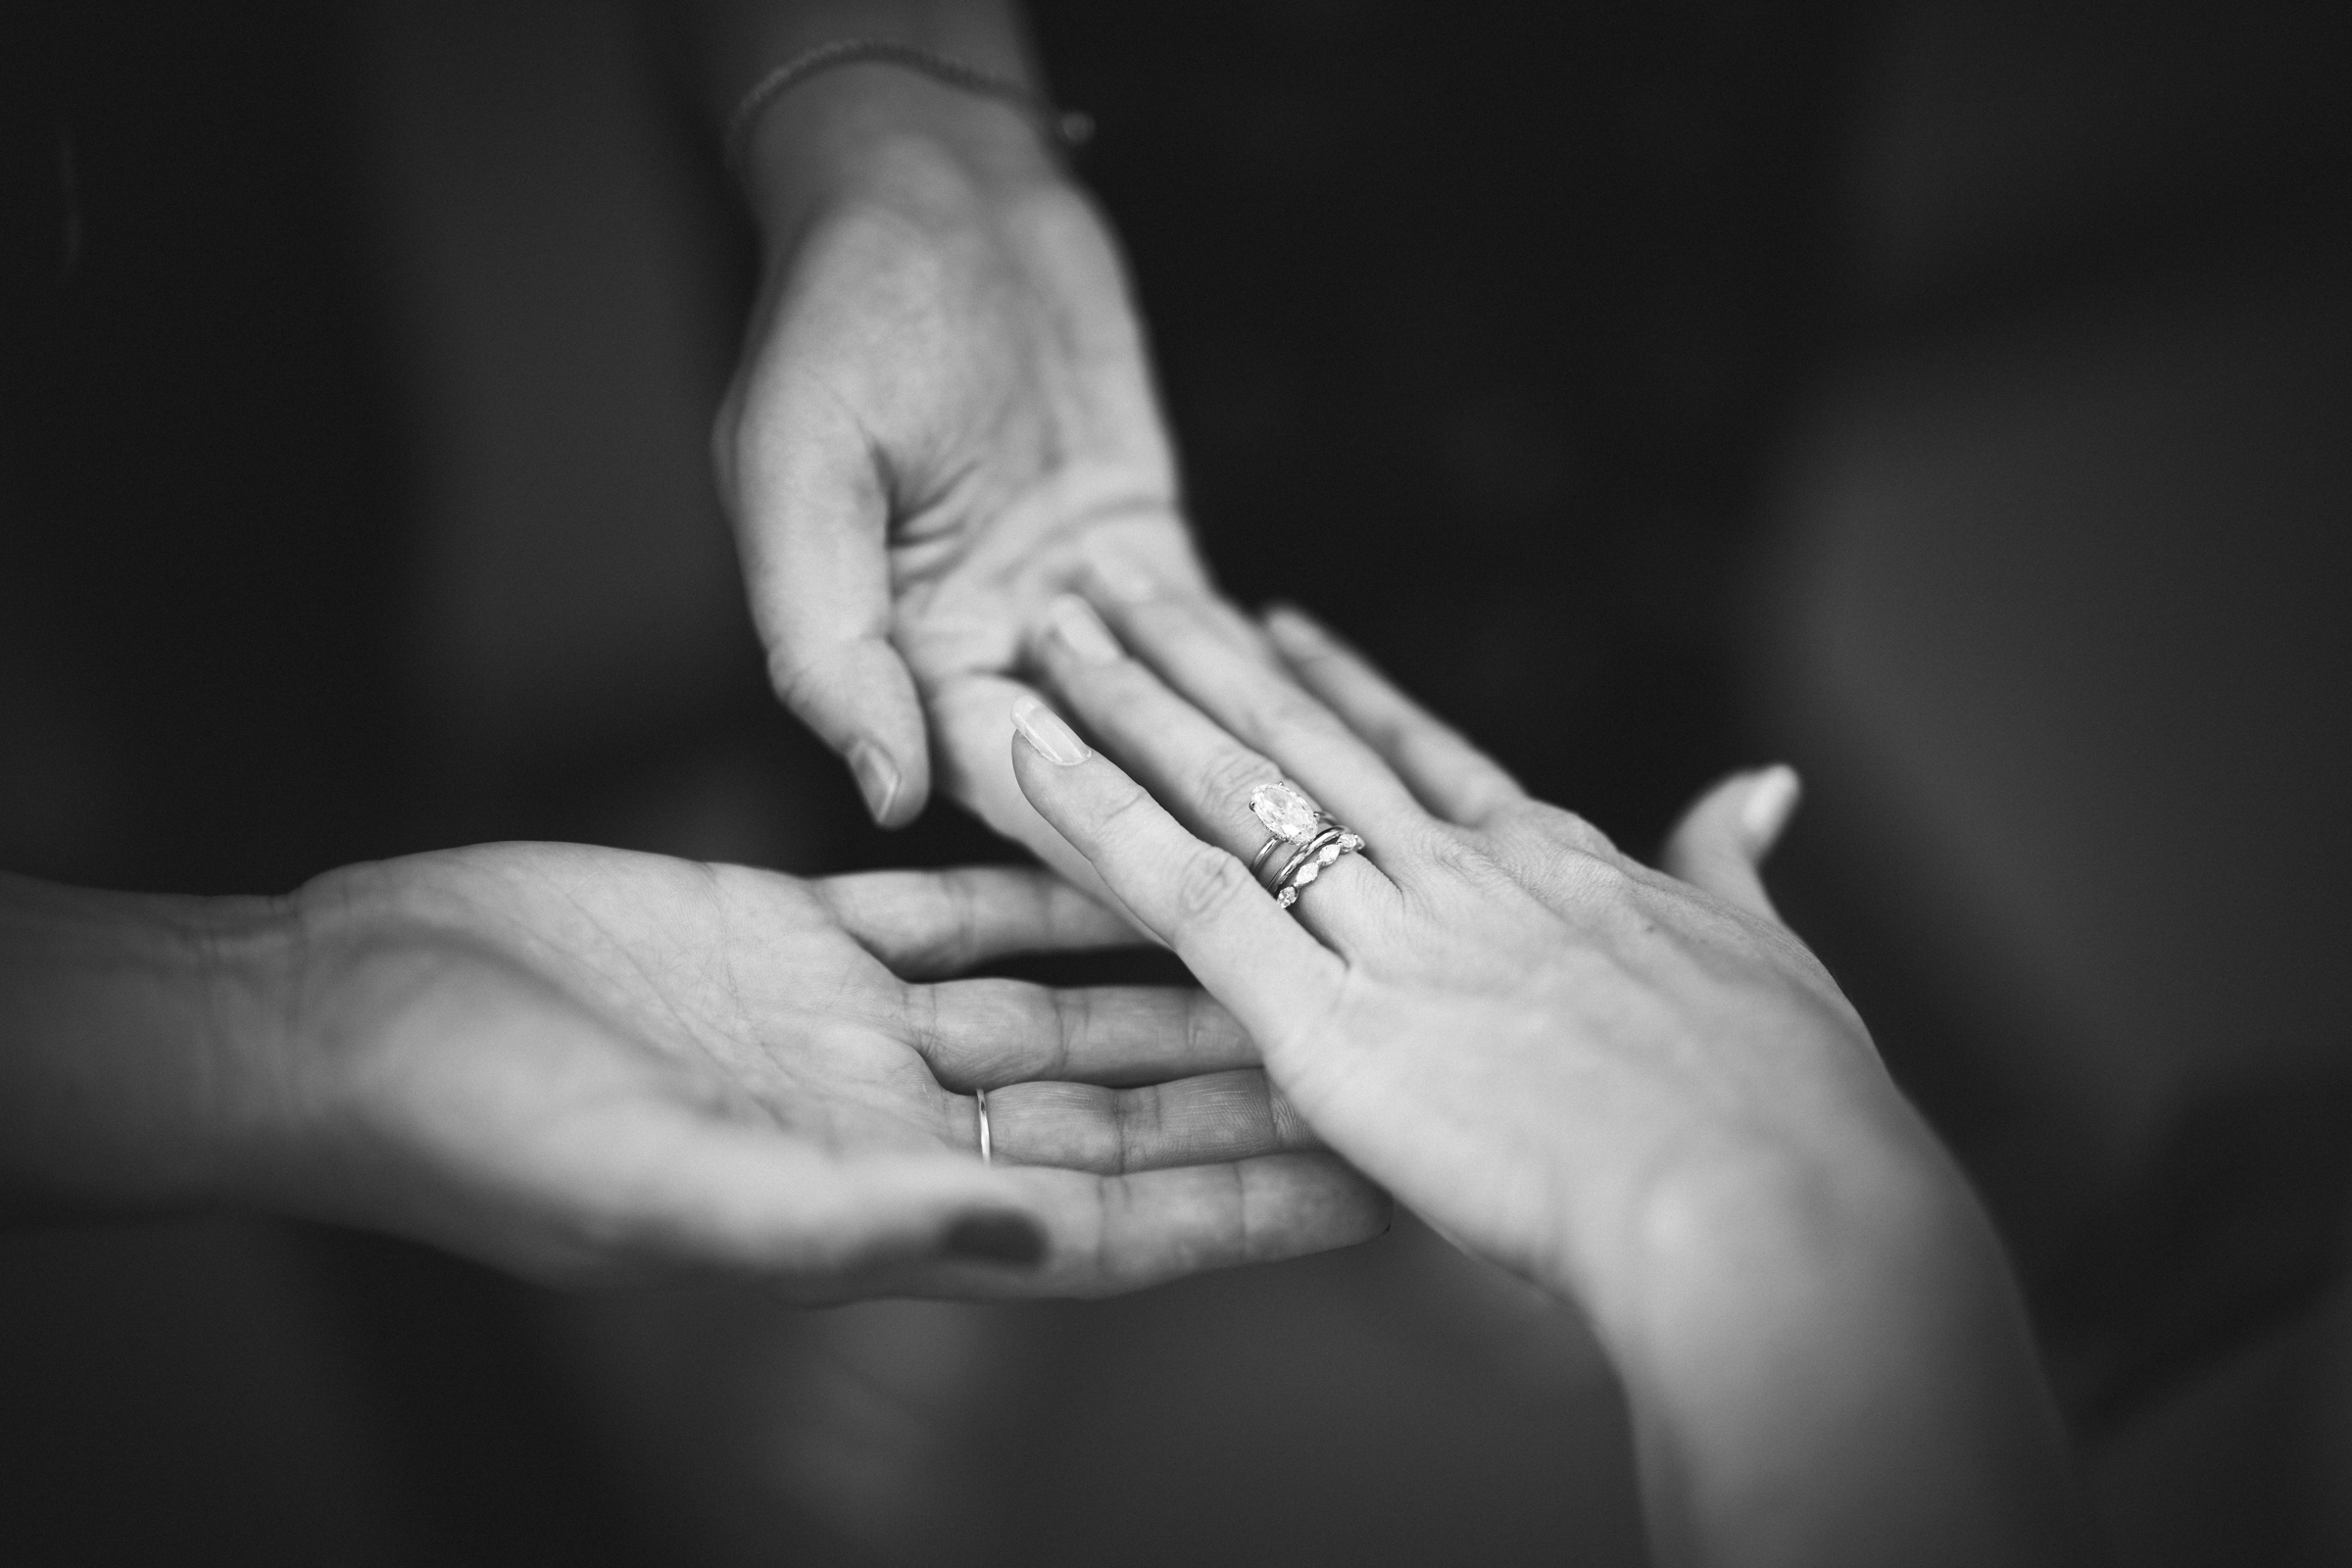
944,416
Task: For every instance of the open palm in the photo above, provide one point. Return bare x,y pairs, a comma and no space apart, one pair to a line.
944,416
586,1062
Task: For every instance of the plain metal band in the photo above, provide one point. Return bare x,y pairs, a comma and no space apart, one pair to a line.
1258,862
987,1154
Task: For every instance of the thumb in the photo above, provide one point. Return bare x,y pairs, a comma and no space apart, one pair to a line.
813,519
1723,839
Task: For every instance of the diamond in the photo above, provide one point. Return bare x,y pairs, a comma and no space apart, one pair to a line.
1287,896
1284,813
1316,867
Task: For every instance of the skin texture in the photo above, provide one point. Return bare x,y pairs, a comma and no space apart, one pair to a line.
1635,1088
587,1065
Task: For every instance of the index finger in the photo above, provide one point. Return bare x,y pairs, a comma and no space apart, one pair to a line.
1200,900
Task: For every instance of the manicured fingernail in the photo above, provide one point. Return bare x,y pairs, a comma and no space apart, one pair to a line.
877,778
1081,630
1771,798
995,1238
1043,728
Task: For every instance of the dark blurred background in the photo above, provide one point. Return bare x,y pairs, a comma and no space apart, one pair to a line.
1950,399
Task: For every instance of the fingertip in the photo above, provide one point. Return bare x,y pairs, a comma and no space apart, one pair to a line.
879,780
1046,733
1772,798
860,697
1005,1236
1293,627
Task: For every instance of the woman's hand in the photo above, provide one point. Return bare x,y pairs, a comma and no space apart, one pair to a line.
583,1064
1639,1089
944,415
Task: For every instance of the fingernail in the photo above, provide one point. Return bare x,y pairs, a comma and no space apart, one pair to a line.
1082,631
1771,800
1121,580
877,778
995,1238
1043,728
1289,623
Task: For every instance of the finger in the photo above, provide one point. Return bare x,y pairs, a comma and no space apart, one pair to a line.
970,716
983,1034
1451,778
1122,1232
741,1200
1724,836
1201,775
1188,1122
927,923
812,514
1264,708
659,1193
1200,900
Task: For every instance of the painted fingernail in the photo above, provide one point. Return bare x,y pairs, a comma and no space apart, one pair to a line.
1771,800
1082,631
1043,728
877,778
995,1238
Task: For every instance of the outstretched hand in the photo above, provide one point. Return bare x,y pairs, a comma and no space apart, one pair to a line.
944,415
1636,1088
583,1064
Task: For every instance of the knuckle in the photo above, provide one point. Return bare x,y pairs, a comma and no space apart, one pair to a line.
1558,827
1597,881
1223,782
1456,855
1074,1022
1262,705
1209,884
1287,708
794,676
1127,822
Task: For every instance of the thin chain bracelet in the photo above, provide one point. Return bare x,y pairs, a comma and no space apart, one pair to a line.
1067,128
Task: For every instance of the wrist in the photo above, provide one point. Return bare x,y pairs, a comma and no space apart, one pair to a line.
144,1064
1846,1333
871,132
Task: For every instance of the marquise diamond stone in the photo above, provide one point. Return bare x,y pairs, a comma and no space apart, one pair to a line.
1284,813
1323,859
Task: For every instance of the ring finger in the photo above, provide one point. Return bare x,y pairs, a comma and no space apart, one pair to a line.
1269,710
1111,1132
1204,775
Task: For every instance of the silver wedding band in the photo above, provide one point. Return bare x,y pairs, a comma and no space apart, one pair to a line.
987,1154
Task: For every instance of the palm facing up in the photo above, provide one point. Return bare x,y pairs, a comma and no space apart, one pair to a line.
943,417
583,1062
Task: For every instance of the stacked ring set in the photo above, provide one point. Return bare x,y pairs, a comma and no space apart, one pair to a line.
1306,841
